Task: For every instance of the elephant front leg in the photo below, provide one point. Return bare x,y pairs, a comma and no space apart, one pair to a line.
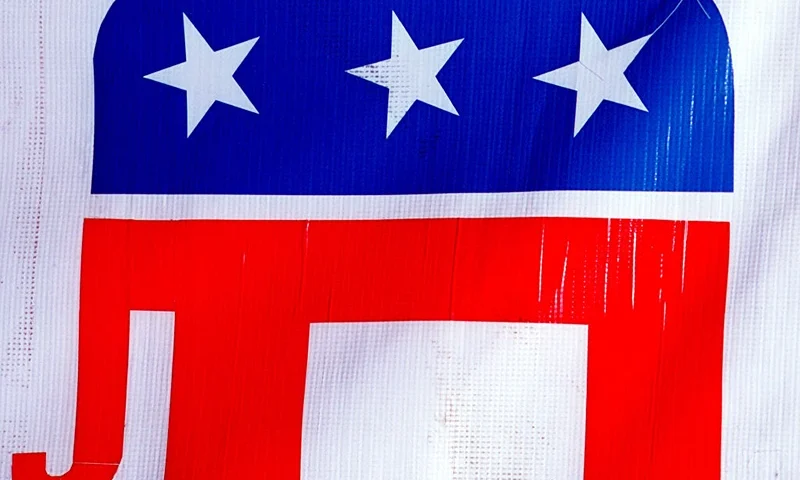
147,400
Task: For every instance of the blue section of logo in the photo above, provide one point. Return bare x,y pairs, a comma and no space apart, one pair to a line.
322,131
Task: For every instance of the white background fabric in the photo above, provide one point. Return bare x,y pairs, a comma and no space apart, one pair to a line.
507,399
46,130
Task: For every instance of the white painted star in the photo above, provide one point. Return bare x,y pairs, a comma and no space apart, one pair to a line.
410,74
206,75
598,75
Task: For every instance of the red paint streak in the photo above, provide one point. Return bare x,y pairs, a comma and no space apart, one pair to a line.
15,365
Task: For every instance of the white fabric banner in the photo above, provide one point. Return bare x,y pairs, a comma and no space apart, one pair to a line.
46,149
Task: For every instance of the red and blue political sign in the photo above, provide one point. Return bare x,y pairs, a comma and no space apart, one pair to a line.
225,347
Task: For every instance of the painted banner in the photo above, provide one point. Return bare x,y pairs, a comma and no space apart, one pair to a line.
403,240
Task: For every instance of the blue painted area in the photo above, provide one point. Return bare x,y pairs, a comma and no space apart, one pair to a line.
322,131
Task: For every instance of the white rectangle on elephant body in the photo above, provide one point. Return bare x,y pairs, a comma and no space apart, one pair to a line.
455,400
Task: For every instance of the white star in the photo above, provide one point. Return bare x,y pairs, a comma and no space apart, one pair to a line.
410,74
206,75
598,75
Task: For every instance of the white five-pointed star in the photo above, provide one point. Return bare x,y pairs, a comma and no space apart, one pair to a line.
410,74
206,75
598,75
